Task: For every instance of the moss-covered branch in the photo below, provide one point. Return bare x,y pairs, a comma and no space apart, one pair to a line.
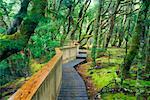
10,44
19,17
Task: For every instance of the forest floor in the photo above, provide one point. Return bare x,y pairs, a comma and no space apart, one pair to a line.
11,87
105,72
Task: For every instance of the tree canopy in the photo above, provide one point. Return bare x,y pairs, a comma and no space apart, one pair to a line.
31,29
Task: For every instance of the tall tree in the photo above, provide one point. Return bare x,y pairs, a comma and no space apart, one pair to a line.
81,16
19,17
94,48
10,44
139,30
112,23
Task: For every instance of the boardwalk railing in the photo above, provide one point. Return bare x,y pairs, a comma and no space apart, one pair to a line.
69,53
46,83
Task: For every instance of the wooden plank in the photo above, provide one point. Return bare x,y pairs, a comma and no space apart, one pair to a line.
73,87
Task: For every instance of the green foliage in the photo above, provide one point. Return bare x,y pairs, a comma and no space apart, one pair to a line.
117,96
41,47
2,30
42,42
100,51
8,8
60,21
68,3
14,67
103,76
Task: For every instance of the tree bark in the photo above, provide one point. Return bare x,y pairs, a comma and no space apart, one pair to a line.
112,22
69,17
94,48
19,17
139,30
147,51
10,44
87,31
112,19
80,17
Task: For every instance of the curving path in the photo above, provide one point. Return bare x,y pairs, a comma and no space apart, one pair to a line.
73,87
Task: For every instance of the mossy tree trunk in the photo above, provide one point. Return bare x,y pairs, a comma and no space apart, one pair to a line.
10,44
94,48
3,23
112,20
147,52
112,23
122,30
139,30
19,17
81,16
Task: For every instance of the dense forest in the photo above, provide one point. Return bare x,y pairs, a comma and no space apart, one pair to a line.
115,30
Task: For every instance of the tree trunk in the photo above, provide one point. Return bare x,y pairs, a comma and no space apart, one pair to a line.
3,23
112,19
10,44
87,31
139,30
112,24
19,17
115,40
81,16
147,52
93,53
69,16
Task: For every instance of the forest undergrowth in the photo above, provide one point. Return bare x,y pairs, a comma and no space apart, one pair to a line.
103,81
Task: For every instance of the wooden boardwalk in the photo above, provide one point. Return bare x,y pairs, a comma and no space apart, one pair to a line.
73,87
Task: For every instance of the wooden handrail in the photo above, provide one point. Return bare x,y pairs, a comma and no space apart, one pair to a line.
27,91
45,84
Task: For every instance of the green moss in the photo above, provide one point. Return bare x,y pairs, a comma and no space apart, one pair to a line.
116,56
118,96
116,51
131,82
35,66
103,76
112,60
